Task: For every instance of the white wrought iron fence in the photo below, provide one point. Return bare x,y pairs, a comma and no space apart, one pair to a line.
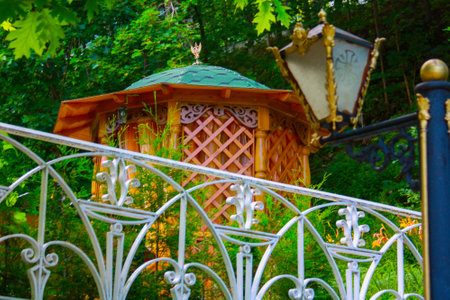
244,260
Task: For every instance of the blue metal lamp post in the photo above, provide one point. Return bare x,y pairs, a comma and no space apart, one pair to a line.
433,98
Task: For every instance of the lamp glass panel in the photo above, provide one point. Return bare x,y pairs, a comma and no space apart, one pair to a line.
309,71
350,61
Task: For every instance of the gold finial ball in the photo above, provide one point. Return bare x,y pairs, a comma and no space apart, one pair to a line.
322,16
434,69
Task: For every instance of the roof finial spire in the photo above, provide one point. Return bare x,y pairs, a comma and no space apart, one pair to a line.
196,51
322,16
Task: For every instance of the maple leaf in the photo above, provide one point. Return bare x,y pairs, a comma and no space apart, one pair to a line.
110,4
13,8
6,25
91,7
241,3
34,32
264,17
50,30
64,14
25,37
282,15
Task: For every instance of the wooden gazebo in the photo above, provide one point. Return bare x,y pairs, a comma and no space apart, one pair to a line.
227,121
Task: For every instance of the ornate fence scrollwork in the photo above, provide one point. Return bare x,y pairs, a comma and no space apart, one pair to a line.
401,147
245,208
117,174
113,263
352,230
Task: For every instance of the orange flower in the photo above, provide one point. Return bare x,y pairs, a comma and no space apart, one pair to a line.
407,222
329,239
169,189
381,236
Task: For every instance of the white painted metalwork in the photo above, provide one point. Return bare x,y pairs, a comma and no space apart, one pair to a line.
247,278
244,205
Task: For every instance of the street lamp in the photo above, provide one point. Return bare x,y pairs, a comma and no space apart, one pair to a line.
119,118
329,70
122,115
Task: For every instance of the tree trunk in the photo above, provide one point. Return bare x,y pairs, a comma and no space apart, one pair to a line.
202,33
427,6
405,78
376,18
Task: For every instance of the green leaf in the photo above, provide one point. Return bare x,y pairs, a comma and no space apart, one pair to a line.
50,31
7,146
264,17
64,14
38,29
91,7
25,37
7,26
39,4
282,15
110,3
20,217
136,54
241,3
12,9
12,199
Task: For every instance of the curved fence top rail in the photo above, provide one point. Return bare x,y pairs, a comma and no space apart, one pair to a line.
88,146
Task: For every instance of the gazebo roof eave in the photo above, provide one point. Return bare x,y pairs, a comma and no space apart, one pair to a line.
78,114
162,86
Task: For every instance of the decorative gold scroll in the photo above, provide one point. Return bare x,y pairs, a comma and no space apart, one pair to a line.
315,144
373,62
424,115
300,41
447,114
328,41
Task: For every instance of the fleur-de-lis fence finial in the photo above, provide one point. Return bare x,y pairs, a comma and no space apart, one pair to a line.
352,230
245,208
181,281
117,173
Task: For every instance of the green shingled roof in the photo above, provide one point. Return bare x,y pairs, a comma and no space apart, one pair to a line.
200,75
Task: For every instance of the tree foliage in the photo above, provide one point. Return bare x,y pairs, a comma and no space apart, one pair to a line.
39,24
82,47
53,50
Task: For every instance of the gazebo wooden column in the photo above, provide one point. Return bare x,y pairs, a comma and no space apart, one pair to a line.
261,143
174,121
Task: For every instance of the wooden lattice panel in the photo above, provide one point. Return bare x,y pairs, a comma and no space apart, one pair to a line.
219,142
284,158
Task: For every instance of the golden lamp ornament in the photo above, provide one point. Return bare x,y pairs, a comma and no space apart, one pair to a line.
329,69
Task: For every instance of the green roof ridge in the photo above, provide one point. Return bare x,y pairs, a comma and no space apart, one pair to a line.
200,75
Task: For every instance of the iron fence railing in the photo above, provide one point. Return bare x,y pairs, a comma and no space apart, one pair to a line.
282,240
